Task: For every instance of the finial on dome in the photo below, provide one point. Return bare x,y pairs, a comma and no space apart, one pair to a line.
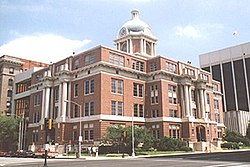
135,14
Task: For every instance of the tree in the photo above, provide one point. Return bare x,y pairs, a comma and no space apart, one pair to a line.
142,137
8,133
232,136
248,131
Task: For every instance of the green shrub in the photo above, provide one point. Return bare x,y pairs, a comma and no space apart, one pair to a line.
171,144
230,145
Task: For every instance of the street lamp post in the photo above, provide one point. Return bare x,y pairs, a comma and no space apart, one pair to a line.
80,129
133,136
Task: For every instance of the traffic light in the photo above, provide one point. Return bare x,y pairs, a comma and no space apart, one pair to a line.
49,124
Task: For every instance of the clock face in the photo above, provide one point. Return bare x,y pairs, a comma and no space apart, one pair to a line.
123,32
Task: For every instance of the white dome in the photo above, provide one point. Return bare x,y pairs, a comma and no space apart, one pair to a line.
136,25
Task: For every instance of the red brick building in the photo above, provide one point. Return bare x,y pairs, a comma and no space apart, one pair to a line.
114,86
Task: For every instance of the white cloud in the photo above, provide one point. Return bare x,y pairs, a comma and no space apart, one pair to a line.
188,32
44,47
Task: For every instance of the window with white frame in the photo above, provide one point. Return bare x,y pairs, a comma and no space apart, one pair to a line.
138,110
152,66
217,117
75,90
89,134
89,108
77,63
138,90
174,131
76,110
89,59
171,67
37,100
173,113
156,131
216,104
88,131
172,98
155,113
138,65
35,135
116,59
116,108
89,87
116,86
74,135
154,94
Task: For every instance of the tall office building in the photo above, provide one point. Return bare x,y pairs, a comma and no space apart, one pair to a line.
231,66
104,87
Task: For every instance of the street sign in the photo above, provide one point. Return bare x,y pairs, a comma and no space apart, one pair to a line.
80,138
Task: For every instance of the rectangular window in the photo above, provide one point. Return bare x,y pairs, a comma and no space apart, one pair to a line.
89,59
120,87
91,134
75,114
116,59
86,109
75,90
138,90
86,87
135,89
217,117
174,131
117,86
216,104
113,107
89,87
74,136
77,63
154,94
135,110
172,94
120,108
86,135
152,66
138,65
37,100
113,85
173,113
92,108
141,113
92,86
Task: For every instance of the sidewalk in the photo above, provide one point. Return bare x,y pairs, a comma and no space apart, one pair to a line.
142,156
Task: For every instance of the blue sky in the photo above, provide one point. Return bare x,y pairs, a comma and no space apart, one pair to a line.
50,30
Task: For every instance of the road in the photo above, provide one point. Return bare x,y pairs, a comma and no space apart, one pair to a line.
232,159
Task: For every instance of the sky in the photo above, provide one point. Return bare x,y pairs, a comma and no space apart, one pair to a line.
51,30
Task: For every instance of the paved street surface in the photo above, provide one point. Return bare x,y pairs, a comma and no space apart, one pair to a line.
225,159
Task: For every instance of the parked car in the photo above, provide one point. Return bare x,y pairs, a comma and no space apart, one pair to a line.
2,153
11,154
25,154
